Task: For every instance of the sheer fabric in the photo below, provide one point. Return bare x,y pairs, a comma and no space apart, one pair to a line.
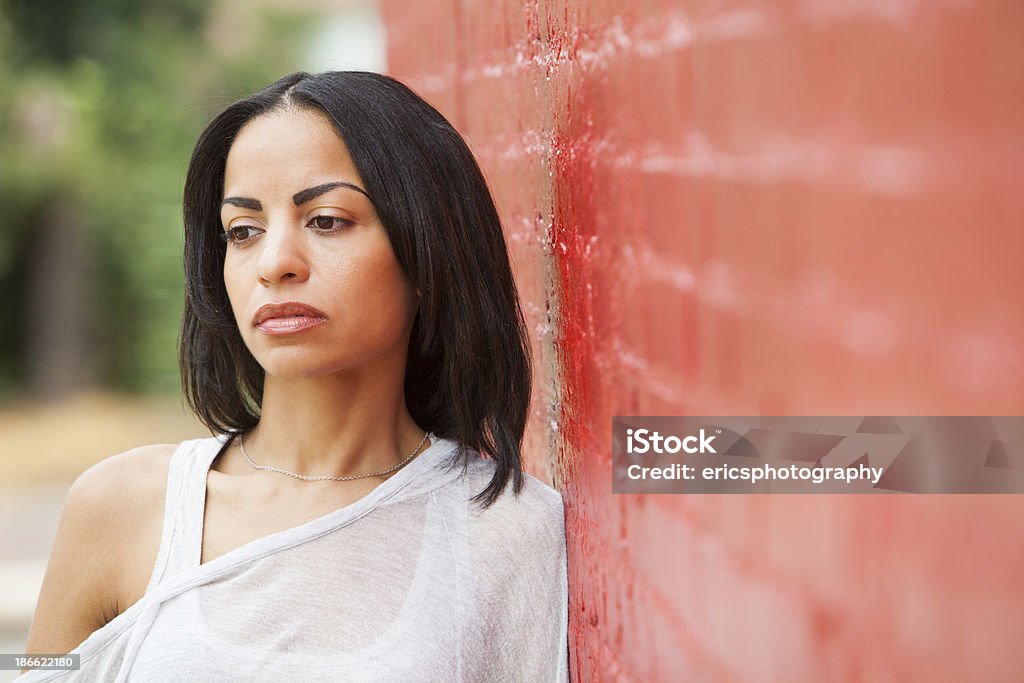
410,583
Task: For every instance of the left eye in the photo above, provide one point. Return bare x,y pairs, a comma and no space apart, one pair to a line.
328,223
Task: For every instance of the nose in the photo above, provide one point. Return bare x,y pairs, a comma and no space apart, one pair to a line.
282,257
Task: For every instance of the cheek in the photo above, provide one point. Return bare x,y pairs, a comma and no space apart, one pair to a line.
236,293
375,286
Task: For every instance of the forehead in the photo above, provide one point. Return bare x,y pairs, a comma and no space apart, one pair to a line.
285,151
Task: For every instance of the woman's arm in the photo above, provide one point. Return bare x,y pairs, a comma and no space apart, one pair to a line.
105,548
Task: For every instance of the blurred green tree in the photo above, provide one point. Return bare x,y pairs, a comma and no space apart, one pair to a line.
100,104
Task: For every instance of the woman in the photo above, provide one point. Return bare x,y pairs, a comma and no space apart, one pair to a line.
353,338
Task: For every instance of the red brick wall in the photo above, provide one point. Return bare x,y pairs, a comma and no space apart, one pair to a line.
745,208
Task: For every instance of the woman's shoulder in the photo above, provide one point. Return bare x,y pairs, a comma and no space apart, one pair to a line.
108,532
120,498
537,507
118,506
130,477
133,478
520,538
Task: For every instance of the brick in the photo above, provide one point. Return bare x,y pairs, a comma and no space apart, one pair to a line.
757,208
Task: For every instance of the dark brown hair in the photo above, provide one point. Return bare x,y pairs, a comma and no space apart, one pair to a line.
468,373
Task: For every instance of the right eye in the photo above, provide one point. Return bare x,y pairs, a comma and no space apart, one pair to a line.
238,234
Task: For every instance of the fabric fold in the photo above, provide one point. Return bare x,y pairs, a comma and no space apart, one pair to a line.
411,582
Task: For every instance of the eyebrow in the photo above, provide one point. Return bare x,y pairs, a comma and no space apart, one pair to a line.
299,198
244,202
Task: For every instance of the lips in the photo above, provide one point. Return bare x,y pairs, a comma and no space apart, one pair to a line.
287,317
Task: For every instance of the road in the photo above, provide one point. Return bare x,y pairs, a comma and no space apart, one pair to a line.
28,523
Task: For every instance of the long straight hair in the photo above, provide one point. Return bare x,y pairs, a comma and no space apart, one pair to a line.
469,371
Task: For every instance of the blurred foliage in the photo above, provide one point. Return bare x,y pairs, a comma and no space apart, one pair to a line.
100,105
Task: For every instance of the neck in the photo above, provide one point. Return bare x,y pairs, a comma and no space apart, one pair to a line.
334,425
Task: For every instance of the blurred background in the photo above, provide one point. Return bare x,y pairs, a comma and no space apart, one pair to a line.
713,207
100,105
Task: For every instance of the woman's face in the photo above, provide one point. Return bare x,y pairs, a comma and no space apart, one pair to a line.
302,232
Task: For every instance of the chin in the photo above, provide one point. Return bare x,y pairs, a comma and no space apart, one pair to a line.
284,364
331,357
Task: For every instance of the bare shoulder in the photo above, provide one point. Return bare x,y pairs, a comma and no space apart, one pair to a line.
106,544
116,495
116,508
129,478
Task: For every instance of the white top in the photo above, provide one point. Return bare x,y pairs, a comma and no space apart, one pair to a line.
410,583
